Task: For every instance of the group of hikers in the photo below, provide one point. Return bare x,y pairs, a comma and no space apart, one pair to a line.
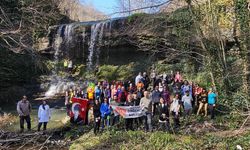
159,96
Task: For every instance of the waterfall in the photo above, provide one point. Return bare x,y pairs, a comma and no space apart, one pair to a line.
58,84
63,45
56,46
68,34
94,33
95,43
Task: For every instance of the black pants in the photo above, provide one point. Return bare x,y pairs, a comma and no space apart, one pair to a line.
115,120
138,122
129,123
155,108
40,125
211,110
97,124
27,119
176,120
165,125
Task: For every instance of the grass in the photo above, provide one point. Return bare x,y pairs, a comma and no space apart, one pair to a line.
221,138
138,140
55,122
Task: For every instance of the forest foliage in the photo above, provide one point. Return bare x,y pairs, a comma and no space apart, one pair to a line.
211,37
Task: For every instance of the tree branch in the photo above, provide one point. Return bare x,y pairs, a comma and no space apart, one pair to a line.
142,8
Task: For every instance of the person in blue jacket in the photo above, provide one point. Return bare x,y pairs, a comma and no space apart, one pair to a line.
186,87
105,113
98,93
211,102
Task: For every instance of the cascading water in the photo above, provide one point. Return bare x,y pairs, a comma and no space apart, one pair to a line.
93,37
68,33
95,42
64,39
58,84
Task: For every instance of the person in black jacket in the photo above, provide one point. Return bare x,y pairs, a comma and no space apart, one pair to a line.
97,116
163,115
129,121
146,80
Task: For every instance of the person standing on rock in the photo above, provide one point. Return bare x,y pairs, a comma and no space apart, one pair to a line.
70,66
43,115
24,110
65,64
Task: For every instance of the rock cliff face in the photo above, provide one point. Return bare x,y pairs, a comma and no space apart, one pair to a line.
83,40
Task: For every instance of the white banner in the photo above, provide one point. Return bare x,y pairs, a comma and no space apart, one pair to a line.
128,111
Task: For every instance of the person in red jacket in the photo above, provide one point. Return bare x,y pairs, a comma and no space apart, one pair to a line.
122,97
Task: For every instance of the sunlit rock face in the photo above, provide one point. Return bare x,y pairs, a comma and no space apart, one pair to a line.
83,40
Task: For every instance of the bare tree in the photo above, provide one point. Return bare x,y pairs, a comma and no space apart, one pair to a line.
79,11
128,7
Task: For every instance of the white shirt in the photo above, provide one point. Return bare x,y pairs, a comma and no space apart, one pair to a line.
44,114
70,65
175,105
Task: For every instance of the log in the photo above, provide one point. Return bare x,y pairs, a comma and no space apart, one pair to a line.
9,140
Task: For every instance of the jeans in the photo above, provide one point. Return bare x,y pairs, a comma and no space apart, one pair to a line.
27,119
105,121
115,120
40,125
148,121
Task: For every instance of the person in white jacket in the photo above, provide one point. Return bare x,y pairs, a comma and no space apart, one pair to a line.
43,115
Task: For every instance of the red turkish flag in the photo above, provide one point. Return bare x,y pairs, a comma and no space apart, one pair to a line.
80,105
